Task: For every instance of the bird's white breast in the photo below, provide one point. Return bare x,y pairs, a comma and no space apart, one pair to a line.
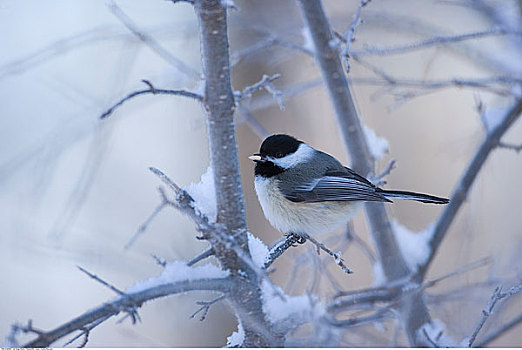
311,218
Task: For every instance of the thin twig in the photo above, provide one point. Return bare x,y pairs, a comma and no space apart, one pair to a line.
203,255
205,307
486,312
143,227
379,179
336,256
252,122
85,331
98,279
349,36
516,148
151,42
160,261
451,39
153,91
247,92
280,247
497,333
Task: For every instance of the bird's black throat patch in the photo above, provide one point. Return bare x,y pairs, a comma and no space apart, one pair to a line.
267,169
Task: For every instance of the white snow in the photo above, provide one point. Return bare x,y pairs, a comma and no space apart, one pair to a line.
308,42
236,339
436,332
492,117
279,307
415,247
378,145
378,274
258,250
204,195
228,4
177,271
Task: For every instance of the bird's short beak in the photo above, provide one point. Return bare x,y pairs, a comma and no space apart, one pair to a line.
256,158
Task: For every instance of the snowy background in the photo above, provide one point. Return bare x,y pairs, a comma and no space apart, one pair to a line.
73,191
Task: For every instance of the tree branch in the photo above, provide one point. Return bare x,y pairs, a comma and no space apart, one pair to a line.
415,312
151,90
394,50
128,300
486,312
219,104
460,193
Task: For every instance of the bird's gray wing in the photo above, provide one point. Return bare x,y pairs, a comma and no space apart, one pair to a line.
336,186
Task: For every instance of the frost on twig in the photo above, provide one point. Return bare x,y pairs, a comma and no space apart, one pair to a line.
205,307
339,261
498,295
349,35
167,283
264,83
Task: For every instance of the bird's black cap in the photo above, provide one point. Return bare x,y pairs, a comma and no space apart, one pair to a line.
279,145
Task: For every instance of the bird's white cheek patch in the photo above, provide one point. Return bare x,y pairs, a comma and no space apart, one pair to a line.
303,154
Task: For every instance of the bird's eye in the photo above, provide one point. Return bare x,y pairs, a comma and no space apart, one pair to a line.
279,155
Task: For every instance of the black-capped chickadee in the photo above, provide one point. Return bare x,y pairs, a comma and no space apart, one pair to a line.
306,191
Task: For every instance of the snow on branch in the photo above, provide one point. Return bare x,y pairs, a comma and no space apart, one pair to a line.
415,246
129,302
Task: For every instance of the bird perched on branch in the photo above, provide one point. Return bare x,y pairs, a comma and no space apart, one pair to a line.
305,191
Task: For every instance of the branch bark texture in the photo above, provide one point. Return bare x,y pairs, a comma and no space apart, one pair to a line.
415,313
219,104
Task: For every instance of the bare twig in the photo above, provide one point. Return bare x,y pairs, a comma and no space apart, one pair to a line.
143,227
486,312
203,255
205,307
85,332
153,91
516,148
247,92
152,43
499,332
160,261
379,179
98,279
393,50
252,122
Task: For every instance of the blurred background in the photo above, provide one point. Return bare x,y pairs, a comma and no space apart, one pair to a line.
74,190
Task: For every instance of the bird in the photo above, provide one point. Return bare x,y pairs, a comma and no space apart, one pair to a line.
307,192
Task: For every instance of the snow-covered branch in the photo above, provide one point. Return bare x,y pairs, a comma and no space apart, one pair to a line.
128,302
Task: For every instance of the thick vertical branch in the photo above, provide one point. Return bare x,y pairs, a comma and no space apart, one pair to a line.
414,313
219,104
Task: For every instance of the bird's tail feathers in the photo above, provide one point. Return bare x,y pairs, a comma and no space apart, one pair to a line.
420,197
